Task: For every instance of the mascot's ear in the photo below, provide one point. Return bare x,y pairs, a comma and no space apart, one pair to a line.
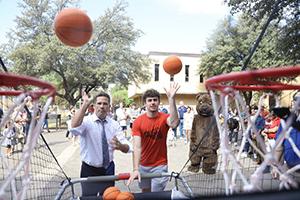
203,97
198,97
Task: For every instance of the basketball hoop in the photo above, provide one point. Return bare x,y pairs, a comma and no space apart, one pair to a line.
255,80
26,89
224,90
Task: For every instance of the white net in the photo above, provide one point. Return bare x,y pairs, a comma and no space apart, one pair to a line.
28,169
274,170
253,157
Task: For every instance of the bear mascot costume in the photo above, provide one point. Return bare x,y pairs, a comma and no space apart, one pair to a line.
205,132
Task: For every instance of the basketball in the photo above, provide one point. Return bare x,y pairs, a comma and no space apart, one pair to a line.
172,65
125,196
73,27
111,193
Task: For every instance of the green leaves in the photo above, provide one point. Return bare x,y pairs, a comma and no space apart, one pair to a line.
106,59
287,19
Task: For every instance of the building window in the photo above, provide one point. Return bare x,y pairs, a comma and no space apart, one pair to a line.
171,77
201,78
187,75
156,72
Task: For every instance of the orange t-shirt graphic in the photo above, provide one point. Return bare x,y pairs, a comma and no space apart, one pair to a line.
153,133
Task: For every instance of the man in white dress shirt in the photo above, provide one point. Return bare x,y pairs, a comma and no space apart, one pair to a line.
97,133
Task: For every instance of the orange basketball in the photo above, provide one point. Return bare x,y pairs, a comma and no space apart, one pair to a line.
73,27
172,65
125,196
111,193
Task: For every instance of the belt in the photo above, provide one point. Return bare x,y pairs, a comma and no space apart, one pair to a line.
84,163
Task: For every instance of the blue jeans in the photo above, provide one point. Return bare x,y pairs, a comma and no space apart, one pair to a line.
175,132
45,125
247,144
181,128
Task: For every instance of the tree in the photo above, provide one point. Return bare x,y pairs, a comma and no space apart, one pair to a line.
229,46
287,18
120,94
106,59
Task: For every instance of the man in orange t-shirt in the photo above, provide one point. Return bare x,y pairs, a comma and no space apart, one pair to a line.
149,139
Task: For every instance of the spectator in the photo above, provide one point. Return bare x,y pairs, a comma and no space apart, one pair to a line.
1,114
233,127
284,153
181,110
10,139
134,112
259,126
91,109
188,117
68,122
46,124
122,117
270,130
162,108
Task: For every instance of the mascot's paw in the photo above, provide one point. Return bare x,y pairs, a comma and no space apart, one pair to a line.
194,169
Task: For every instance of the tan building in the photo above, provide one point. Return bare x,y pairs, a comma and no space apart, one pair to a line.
190,81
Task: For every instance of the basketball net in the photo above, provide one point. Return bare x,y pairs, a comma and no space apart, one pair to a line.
18,164
225,93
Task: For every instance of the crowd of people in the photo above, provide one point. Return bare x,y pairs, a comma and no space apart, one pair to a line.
15,132
268,126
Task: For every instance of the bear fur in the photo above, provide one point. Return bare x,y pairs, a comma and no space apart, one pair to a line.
206,153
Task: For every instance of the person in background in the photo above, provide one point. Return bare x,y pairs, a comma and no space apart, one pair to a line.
68,122
188,117
259,125
100,136
91,109
285,154
162,108
134,112
270,130
1,114
150,139
181,110
9,141
122,117
46,123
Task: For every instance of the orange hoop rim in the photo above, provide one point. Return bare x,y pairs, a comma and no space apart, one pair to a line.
15,80
250,80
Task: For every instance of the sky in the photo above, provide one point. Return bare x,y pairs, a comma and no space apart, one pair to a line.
167,25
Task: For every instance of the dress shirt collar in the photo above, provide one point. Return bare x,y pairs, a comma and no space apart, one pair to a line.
95,118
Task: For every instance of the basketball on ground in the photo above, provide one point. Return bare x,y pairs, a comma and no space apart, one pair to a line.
125,196
73,27
172,65
111,193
